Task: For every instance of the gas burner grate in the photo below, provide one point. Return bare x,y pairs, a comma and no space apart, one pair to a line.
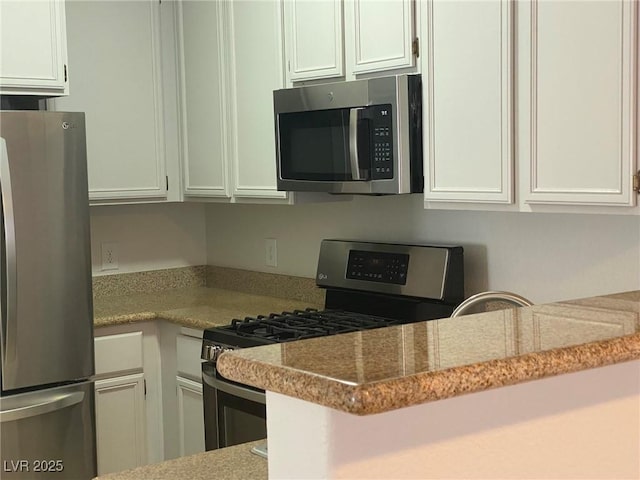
301,324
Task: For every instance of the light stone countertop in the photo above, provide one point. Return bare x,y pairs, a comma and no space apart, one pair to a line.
385,369
231,463
195,307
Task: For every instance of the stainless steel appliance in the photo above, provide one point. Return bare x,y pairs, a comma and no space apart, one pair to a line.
368,285
46,341
357,137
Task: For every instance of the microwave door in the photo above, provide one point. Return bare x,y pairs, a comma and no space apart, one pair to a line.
314,146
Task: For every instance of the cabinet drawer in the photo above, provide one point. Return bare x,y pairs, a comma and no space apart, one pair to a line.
188,357
118,353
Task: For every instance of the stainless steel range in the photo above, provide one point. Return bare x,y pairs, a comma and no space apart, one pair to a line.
368,285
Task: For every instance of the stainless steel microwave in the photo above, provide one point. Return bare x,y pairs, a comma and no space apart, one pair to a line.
356,137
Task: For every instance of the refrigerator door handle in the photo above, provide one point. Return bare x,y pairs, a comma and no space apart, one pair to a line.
45,405
8,246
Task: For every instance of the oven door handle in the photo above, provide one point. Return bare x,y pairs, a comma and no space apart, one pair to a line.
235,390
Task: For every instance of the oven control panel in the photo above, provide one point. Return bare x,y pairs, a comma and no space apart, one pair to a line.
413,270
378,266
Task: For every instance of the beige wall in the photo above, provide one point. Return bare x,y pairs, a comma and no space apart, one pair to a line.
546,257
149,237
581,425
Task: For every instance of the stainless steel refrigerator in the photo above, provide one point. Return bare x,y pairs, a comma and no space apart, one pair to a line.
47,419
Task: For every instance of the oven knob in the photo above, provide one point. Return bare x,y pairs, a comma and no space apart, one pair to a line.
217,350
208,353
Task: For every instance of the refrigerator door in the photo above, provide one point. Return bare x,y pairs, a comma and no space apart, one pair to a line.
49,434
45,276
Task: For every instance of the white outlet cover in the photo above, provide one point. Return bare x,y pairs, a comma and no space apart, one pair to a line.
109,251
271,252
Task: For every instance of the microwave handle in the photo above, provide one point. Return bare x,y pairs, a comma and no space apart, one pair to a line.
354,117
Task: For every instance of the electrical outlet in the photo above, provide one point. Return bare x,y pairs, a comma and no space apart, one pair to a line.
271,252
109,256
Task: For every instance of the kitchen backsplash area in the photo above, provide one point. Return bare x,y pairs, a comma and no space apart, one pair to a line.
149,281
264,283
252,282
544,257
147,237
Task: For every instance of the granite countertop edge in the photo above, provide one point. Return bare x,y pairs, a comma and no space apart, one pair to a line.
392,394
137,317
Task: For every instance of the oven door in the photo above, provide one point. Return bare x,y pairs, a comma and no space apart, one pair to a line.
233,413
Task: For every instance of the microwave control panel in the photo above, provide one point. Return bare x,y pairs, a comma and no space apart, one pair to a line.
382,141
379,267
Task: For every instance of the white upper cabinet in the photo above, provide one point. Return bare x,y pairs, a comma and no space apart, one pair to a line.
33,48
256,68
313,39
114,51
380,34
202,83
579,63
468,101
535,94
342,39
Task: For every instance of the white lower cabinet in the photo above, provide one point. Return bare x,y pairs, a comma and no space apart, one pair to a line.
148,388
189,391
120,423
129,422
190,416
120,402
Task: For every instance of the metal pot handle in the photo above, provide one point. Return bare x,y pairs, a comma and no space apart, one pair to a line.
478,298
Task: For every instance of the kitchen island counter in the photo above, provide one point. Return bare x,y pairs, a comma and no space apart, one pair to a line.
549,391
232,463
380,370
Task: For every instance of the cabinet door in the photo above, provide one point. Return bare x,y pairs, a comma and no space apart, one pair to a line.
380,34
202,85
120,423
114,53
579,63
468,101
188,350
190,416
255,48
313,39
33,48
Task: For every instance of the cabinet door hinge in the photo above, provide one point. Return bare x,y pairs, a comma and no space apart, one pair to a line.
145,386
65,73
415,47
167,179
636,182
